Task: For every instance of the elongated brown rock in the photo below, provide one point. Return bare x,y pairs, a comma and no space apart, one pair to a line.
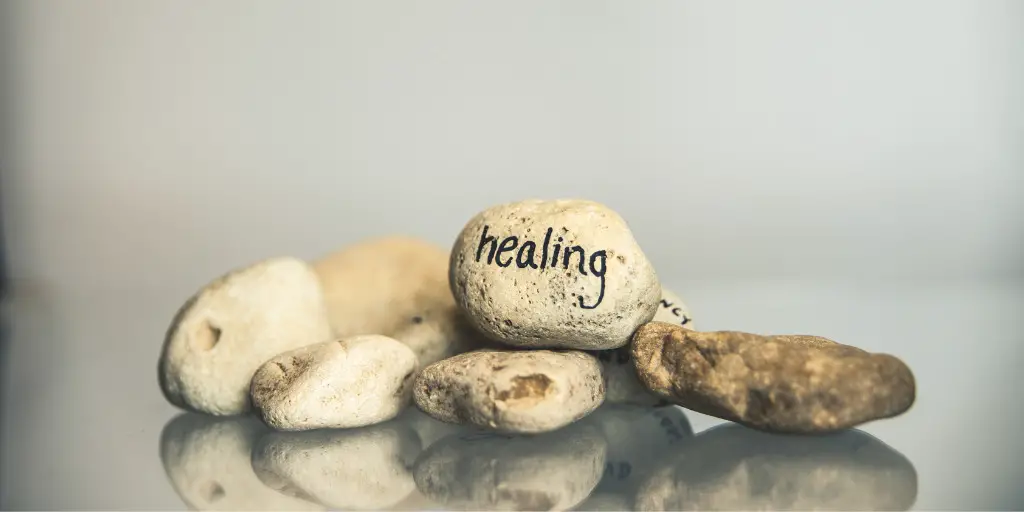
796,384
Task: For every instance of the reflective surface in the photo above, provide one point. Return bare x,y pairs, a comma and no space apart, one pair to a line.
85,426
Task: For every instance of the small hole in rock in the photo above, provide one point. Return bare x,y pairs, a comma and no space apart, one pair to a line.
207,336
212,492
417,319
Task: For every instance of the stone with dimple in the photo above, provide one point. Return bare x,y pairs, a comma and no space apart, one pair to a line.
523,391
553,274
207,460
621,383
396,286
493,471
232,326
796,384
359,469
351,382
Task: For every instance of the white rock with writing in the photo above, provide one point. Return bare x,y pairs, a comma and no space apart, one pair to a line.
671,309
228,329
352,382
527,391
553,274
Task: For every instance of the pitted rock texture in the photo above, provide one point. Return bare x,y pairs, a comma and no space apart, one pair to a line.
526,391
779,384
232,326
493,471
553,274
396,286
351,382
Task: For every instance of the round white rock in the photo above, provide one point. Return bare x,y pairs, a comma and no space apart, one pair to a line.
352,382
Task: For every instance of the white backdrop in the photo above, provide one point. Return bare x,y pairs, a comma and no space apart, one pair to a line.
159,142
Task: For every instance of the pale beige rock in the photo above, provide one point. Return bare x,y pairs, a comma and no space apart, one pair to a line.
207,460
361,469
352,382
228,329
673,310
592,300
526,391
396,286
428,429
622,386
492,471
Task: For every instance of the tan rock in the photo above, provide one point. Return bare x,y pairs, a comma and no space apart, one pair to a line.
232,326
735,468
352,382
359,469
492,471
396,286
553,274
783,384
207,460
526,391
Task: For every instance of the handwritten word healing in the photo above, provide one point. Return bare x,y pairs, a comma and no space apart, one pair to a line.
551,255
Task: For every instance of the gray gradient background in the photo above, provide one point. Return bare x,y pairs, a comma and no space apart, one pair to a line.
850,169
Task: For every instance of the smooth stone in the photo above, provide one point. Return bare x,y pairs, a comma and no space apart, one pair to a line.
207,460
735,468
352,382
796,384
233,325
396,286
524,391
359,469
621,383
494,471
592,300
672,309
428,429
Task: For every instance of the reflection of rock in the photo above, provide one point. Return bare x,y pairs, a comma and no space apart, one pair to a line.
490,471
732,467
638,437
366,468
207,461
428,429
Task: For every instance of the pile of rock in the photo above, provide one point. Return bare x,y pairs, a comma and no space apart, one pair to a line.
541,312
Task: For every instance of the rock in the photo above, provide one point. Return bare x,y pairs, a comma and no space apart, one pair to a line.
207,461
360,469
672,310
735,468
396,286
621,383
353,382
781,384
232,326
428,429
493,471
553,274
528,391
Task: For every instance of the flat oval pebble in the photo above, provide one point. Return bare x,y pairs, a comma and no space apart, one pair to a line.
734,468
396,286
795,384
360,469
526,391
232,326
621,383
207,460
494,471
553,274
351,382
